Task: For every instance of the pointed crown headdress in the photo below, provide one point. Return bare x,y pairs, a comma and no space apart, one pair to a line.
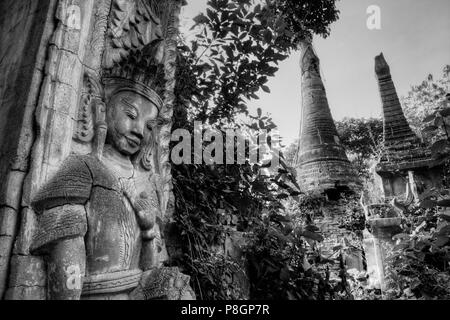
142,71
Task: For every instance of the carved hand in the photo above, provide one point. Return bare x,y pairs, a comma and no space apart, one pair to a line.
147,211
145,214
151,247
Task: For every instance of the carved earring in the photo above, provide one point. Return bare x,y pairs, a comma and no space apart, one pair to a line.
146,156
100,128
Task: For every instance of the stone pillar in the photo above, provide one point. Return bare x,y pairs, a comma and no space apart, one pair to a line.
48,48
413,184
384,225
374,260
235,241
322,163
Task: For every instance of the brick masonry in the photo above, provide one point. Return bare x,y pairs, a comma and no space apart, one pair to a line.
343,247
403,151
24,33
321,163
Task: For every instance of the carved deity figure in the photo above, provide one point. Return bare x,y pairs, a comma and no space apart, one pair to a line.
99,216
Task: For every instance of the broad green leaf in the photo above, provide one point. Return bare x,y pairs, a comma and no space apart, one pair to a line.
259,111
211,14
268,36
265,88
444,203
261,124
429,118
444,231
201,19
441,241
310,235
445,216
429,129
312,228
439,121
440,146
445,112
428,204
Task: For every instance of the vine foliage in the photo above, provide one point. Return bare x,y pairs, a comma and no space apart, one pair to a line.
236,49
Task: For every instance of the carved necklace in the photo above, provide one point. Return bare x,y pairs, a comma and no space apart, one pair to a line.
124,172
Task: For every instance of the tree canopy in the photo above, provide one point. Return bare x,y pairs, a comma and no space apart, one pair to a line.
362,139
237,49
425,98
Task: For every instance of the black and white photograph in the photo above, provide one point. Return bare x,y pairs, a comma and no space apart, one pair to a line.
226,155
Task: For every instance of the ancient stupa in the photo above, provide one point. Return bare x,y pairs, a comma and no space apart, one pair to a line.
405,158
322,164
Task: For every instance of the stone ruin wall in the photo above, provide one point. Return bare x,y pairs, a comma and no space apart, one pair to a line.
314,175
26,27
352,253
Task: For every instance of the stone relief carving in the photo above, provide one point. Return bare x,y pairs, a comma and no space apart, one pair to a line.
91,97
100,215
133,23
100,218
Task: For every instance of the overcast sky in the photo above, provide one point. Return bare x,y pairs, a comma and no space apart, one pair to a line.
415,40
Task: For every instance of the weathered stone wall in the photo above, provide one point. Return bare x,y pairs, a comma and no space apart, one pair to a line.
25,28
427,178
314,175
395,185
59,50
68,26
21,29
339,245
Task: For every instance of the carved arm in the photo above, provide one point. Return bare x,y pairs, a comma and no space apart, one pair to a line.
60,238
66,265
148,214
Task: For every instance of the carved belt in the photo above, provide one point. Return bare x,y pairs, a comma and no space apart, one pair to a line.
111,282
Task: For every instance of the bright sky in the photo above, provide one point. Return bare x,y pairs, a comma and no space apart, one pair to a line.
415,40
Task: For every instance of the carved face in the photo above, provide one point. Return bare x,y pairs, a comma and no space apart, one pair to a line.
130,117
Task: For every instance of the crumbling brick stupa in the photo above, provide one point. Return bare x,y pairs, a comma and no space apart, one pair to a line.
405,159
407,169
322,164
323,168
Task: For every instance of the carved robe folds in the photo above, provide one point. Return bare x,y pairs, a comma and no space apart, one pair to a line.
86,199
88,57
